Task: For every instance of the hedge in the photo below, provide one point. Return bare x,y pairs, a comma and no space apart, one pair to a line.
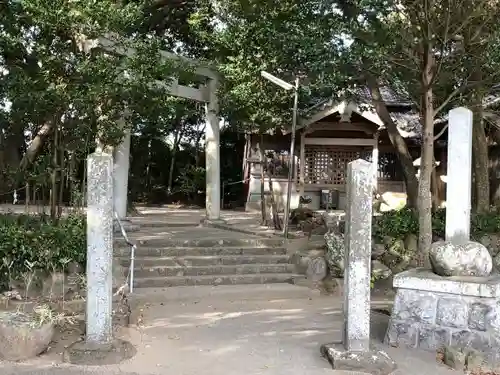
29,243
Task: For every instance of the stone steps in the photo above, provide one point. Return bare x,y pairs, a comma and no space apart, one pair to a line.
206,260
219,270
171,251
159,240
172,281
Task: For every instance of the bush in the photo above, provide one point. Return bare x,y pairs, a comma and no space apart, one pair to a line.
397,224
29,243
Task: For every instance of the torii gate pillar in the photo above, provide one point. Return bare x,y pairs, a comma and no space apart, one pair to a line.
212,154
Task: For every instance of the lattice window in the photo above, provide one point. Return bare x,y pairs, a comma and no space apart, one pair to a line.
328,164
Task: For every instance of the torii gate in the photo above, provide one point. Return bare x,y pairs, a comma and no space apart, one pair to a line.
206,94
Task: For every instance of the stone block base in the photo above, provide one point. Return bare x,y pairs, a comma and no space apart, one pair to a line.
371,362
432,312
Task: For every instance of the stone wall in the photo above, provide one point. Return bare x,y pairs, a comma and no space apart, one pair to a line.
458,314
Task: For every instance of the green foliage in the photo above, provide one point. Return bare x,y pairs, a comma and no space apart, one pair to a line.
288,38
77,91
397,224
32,243
191,180
485,223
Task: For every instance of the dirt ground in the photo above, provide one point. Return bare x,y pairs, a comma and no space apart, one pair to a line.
231,330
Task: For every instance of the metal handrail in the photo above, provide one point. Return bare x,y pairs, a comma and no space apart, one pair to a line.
133,247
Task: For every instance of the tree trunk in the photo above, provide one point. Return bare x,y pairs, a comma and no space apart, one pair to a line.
397,141
274,208
426,164
435,186
177,139
494,169
434,189
12,142
481,173
480,153
61,180
197,146
53,177
36,145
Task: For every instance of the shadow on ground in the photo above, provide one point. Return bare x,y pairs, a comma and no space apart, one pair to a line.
235,335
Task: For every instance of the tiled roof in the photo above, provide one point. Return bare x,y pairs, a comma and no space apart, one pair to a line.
390,96
399,105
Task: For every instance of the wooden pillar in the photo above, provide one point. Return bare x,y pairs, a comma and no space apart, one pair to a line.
375,161
302,162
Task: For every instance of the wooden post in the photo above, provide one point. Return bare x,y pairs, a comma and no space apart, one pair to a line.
375,160
302,162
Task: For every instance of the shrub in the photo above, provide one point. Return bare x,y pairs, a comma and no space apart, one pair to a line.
29,243
397,224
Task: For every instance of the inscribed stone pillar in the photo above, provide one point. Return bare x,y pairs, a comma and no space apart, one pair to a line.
99,247
212,154
458,183
358,240
458,256
120,173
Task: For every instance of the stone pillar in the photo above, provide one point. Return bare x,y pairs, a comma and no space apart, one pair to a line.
356,353
212,154
99,247
120,174
358,240
458,184
458,256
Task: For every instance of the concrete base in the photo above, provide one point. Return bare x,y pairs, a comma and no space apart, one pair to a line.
87,354
432,312
371,362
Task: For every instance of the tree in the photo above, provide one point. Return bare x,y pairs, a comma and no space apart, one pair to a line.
286,39
432,49
76,90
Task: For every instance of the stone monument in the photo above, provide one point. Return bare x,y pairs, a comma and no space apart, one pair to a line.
457,302
355,352
99,247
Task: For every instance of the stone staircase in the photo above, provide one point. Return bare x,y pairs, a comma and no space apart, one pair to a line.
172,262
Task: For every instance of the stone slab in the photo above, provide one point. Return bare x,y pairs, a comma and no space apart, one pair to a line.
425,280
370,362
